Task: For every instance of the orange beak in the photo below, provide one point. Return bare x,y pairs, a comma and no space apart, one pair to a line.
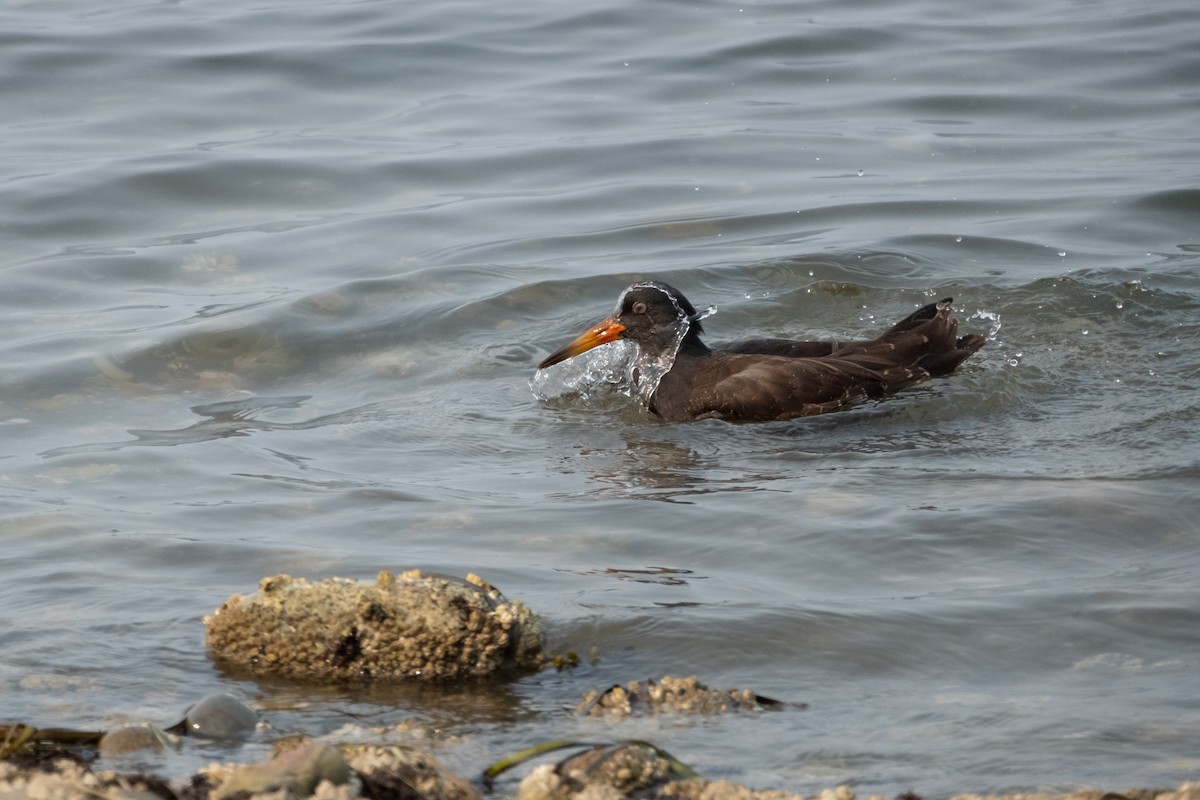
607,331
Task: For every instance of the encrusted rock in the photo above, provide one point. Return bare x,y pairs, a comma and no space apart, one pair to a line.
405,772
680,695
69,780
334,772
408,626
601,773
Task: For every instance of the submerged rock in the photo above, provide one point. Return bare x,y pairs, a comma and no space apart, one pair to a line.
404,627
133,738
679,695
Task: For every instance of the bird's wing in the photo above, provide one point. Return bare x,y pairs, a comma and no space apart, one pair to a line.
752,389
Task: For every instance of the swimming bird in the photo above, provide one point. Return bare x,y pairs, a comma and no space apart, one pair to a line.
682,379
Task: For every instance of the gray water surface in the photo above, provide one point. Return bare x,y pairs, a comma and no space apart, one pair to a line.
276,277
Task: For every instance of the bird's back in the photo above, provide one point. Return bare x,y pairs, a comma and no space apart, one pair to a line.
769,379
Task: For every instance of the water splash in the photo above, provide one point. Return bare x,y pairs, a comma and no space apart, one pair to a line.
649,369
599,372
992,318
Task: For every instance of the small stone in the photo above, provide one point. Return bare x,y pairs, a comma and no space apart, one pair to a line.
220,716
130,739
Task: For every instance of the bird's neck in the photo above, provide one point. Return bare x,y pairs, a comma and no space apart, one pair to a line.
692,346
651,366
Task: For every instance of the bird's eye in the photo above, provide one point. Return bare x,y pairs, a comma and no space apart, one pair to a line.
639,307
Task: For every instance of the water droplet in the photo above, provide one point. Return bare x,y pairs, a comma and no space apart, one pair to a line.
1062,253
860,173
1085,331
957,239
1120,305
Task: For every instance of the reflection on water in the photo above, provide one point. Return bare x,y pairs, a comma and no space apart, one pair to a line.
652,469
661,576
222,420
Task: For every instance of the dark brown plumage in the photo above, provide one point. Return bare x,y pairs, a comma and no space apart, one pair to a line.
767,379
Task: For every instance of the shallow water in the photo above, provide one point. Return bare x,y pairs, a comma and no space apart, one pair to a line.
276,279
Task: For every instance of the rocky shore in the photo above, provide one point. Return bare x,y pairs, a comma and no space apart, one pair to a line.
407,627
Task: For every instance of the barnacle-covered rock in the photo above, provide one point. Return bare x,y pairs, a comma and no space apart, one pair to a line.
321,767
67,779
398,771
604,772
402,627
703,789
679,695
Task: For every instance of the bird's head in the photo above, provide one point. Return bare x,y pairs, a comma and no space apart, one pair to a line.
654,315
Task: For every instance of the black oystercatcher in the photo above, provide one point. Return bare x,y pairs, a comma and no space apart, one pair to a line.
758,380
